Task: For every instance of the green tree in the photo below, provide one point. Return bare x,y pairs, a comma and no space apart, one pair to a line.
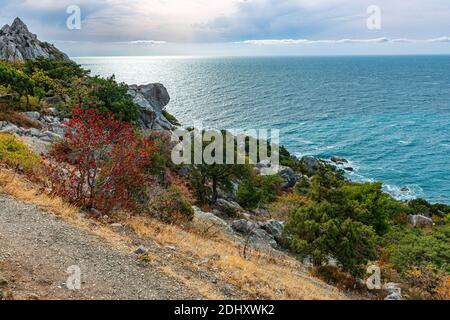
17,81
109,96
258,190
376,207
329,227
42,84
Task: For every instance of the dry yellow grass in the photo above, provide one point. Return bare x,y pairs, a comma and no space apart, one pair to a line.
262,275
18,187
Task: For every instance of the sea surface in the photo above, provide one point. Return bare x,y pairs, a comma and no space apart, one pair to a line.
390,116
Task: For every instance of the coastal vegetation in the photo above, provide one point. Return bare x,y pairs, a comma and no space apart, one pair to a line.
106,164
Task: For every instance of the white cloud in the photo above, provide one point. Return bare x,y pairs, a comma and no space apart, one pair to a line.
151,42
272,42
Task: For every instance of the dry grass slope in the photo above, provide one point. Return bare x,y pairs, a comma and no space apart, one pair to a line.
262,275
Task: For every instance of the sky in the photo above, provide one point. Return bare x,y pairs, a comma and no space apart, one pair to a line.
237,27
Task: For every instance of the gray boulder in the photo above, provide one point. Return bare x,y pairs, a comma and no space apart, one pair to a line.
32,115
151,99
9,127
254,233
418,221
274,228
141,250
211,219
289,176
395,292
311,164
339,160
244,226
49,136
229,205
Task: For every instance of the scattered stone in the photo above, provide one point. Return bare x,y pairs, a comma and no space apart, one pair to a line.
10,128
395,292
141,250
33,115
339,160
420,221
34,132
116,225
349,169
49,136
289,176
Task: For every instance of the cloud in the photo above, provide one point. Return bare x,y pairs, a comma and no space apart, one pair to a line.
213,21
274,42
151,42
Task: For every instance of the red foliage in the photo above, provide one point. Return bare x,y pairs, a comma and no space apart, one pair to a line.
101,163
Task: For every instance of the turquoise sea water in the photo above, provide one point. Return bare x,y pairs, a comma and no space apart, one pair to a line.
389,115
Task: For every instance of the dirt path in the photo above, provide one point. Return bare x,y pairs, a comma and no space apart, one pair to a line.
36,250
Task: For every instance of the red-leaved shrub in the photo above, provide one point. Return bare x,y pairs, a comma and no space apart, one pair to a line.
101,163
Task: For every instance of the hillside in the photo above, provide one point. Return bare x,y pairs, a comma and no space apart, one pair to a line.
88,179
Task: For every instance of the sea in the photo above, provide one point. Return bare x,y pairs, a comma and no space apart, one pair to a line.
388,115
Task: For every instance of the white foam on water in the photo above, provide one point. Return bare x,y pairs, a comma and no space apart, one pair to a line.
408,192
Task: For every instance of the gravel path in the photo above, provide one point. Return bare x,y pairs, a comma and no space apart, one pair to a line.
36,250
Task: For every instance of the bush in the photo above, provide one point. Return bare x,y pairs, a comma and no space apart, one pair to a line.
60,70
282,208
102,163
173,121
333,276
322,231
375,207
259,190
17,155
17,80
171,206
328,227
406,248
107,95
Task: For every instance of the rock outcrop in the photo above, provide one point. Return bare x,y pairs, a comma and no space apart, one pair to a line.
51,128
151,100
419,221
19,44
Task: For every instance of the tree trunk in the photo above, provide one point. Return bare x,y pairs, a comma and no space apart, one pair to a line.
28,102
215,195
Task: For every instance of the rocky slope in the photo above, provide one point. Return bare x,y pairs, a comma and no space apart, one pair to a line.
17,43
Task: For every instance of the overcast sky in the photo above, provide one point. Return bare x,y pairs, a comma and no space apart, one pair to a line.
237,27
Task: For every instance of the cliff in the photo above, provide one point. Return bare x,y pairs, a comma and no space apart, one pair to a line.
17,43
